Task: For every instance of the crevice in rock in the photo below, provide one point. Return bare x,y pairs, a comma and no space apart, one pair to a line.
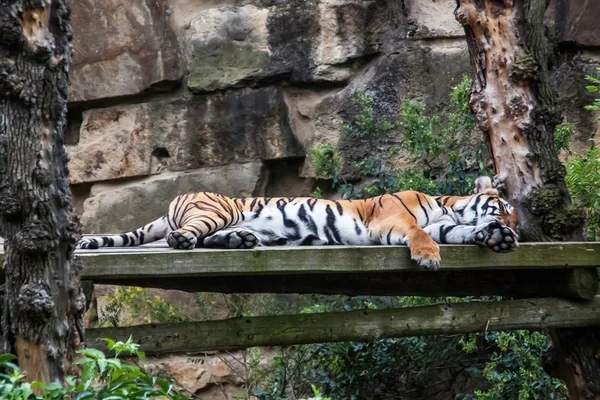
74,121
162,91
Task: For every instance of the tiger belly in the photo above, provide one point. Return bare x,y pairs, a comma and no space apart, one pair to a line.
297,223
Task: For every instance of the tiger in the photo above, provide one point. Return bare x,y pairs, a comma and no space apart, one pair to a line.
411,218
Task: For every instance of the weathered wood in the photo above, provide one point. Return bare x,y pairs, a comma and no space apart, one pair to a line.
535,270
43,303
363,325
160,263
579,283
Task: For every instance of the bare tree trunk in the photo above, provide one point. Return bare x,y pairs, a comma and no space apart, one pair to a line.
43,299
514,105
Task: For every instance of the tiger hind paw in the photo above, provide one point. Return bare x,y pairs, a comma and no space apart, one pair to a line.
498,237
238,239
181,240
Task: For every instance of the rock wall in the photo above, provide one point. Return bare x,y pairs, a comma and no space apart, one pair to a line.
174,96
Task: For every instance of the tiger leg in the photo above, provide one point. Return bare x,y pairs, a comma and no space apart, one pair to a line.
235,238
396,231
196,216
489,233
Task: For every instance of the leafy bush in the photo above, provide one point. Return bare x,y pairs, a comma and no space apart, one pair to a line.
141,304
583,181
445,160
563,135
365,124
594,88
326,161
101,378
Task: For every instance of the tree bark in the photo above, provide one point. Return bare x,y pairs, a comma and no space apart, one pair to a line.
514,105
43,299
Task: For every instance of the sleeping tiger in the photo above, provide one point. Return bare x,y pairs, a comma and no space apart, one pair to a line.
404,218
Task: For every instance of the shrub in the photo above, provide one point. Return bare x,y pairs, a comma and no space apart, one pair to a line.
101,378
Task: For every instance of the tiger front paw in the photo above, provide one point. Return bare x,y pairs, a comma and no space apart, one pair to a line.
427,256
239,239
497,236
181,240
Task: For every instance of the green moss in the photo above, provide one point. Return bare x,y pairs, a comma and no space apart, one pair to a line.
544,200
561,221
218,65
524,68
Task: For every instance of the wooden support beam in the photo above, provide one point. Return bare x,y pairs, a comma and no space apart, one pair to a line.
361,326
534,270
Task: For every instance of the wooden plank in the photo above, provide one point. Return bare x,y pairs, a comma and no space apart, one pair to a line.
363,325
578,283
122,262
535,270
322,259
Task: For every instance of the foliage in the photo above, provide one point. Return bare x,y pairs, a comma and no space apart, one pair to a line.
594,88
140,303
444,159
516,368
563,135
365,124
101,378
326,161
583,181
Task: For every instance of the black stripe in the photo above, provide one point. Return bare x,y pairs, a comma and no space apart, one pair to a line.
428,203
477,199
444,232
311,203
141,237
424,210
309,240
288,223
407,209
379,201
389,236
125,239
340,209
253,204
331,224
356,227
308,221
330,239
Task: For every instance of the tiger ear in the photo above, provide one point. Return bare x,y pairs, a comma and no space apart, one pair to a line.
483,185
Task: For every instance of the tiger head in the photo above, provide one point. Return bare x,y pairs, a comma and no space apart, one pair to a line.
495,205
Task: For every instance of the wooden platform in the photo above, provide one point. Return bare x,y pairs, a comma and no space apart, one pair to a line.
534,270
552,285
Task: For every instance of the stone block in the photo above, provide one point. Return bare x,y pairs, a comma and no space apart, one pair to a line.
122,48
120,207
432,19
144,139
423,72
577,22
235,46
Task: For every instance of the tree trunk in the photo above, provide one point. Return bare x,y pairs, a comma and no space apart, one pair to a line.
514,105
43,299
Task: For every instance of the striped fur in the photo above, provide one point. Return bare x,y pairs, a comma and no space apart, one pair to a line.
412,218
